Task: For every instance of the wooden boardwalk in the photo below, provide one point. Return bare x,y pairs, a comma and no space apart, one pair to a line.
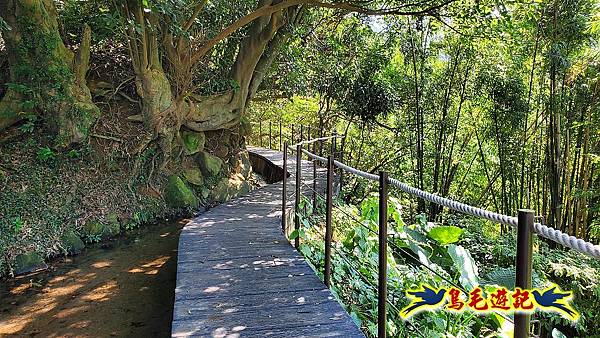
238,276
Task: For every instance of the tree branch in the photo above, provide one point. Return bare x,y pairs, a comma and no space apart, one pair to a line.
271,9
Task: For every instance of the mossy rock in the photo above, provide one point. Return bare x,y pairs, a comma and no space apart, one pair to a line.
71,243
193,141
209,164
95,231
194,176
179,195
229,188
113,227
29,262
241,164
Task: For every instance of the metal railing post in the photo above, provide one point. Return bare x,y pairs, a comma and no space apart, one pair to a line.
342,145
382,286
328,228
298,182
524,266
314,185
280,137
260,132
334,145
284,192
270,135
321,143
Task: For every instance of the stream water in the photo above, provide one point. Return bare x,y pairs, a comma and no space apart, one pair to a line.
123,288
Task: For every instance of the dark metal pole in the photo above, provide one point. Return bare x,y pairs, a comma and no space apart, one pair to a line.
298,182
382,287
314,185
334,146
524,263
260,131
280,137
321,143
342,146
284,192
270,135
328,228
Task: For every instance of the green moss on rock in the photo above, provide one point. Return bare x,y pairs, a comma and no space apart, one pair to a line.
229,188
71,243
29,262
113,227
194,176
194,142
209,164
179,195
95,231
92,231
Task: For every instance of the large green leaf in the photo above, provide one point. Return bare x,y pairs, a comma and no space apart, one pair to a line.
469,276
446,234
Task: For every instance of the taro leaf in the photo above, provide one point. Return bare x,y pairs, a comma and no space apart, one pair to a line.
501,276
395,210
464,263
415,235
446,234
422,254
506,277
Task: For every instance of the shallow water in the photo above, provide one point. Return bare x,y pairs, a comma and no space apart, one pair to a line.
124,289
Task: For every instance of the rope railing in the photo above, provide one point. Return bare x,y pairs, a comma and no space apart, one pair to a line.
524,223
555,235
320,139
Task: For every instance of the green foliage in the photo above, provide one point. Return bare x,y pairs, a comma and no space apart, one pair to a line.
445,234
355,262
463,262
98,14
73,153
31,119
3,25
46,154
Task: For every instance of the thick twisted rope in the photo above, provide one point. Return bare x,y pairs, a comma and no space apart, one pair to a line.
325,138
569,241
555,235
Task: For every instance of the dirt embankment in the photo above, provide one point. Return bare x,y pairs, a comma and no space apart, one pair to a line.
123,288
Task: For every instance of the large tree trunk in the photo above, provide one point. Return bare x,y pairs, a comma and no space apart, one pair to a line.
224,111
47,79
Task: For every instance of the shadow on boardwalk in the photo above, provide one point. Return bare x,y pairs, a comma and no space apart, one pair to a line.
238,276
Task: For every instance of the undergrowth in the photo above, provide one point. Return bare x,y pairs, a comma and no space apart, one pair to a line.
46,193
469,252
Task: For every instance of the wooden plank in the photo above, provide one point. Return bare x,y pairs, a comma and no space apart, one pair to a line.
238,276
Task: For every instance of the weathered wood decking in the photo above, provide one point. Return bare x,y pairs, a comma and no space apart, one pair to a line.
238,276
